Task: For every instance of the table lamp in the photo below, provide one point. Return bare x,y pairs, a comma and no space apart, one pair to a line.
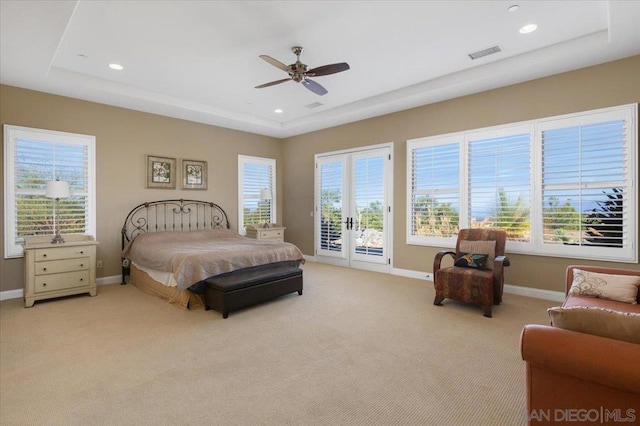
57,189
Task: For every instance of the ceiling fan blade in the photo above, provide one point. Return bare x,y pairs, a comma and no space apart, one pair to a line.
276,63
273,83
314,87
328,69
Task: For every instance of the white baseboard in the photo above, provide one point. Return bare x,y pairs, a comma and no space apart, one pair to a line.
556,296
11,294
19,293
309,258
113,279
412,274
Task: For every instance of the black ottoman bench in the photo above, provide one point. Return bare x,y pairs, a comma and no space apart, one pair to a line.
239,289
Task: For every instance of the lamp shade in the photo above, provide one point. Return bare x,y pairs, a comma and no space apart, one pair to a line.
265,194
58,189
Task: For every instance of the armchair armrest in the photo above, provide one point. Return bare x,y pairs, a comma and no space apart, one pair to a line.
438,259
498,267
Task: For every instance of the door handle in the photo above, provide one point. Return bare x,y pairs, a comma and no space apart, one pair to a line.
350,223
346,222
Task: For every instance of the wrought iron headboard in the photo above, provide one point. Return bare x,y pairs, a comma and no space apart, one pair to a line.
173,215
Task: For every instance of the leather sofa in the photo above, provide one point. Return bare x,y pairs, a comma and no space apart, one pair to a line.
574,377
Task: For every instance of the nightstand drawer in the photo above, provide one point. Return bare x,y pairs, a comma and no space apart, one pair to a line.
275,234
61,281
56,253
64,265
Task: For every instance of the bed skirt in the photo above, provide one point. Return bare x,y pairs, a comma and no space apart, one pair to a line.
183,299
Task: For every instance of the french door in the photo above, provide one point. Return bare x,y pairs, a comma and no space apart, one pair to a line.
352,217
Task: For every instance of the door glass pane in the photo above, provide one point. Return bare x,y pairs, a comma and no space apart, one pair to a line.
331,206
368,196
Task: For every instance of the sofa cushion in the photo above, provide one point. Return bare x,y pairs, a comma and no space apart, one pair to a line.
601,322
622,288
479,247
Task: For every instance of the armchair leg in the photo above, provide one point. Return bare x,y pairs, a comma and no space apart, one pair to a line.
487,311
438,301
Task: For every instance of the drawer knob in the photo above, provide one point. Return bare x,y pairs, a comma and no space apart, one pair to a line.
44,255
81,265
44,269
81,252
81,279
44,284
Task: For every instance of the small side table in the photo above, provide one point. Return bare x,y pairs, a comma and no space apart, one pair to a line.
54,270
275,233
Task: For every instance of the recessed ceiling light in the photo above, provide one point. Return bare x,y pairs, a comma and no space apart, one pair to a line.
513,8
529,28
116,67
278,111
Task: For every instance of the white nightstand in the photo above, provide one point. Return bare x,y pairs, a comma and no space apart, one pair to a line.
274,233
54,270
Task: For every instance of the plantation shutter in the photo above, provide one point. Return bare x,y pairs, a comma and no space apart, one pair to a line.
332,199
586,182
35,157
499,182
258,190
434,185
368,199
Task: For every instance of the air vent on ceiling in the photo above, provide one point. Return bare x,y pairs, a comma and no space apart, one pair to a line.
485,52
314,105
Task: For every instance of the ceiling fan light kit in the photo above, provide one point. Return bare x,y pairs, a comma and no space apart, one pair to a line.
300,73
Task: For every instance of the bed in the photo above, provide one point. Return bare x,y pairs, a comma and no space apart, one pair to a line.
170,247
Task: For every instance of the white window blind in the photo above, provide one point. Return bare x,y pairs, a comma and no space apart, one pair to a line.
330,183
499,182
434,189
369,202
256,192
33,157
587,186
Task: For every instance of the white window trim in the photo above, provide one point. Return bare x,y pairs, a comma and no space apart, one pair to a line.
242,160
11,133
628,254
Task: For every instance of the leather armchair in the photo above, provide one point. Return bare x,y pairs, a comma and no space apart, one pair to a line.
470,285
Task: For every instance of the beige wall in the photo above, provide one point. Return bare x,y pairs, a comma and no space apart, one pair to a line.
601,86
125,136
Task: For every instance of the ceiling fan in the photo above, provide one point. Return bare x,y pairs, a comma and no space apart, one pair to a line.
300,73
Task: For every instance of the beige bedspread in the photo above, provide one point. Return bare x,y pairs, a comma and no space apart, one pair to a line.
194,256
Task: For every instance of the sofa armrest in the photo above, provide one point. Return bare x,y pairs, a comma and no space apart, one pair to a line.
582,355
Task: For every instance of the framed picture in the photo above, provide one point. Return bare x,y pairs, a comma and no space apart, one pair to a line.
194,174
161,172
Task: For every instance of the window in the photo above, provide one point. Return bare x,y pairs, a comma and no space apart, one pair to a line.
435,191
560,186
499,181
256,191
587,195
32,158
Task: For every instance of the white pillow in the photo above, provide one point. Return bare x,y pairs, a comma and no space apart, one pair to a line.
622,288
